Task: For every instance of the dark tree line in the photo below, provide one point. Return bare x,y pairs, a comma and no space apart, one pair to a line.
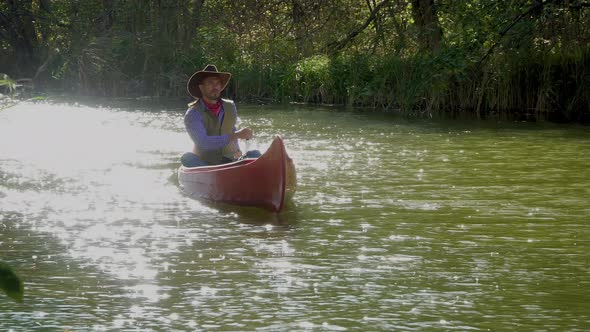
473,56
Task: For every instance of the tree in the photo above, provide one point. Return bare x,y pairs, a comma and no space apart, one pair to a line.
426,20
18,28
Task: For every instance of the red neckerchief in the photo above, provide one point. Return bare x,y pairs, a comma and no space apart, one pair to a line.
214,108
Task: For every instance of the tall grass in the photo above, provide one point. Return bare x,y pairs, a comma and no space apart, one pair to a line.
547,85
7,84
551,84
392,83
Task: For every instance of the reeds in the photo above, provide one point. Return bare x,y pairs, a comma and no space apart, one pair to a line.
532,85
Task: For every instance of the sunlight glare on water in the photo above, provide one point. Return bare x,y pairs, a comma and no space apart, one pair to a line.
396,225
92,185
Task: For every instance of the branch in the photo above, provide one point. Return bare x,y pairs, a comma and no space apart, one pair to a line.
581,5
504,31
336,46
50,56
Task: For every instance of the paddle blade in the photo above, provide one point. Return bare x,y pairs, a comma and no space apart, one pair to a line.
10,283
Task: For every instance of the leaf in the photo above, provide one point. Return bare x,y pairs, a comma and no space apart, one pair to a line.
5,80
10,283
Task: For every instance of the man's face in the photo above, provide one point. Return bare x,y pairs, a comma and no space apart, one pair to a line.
211,88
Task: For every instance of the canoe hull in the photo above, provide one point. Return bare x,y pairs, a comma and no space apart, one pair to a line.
266,182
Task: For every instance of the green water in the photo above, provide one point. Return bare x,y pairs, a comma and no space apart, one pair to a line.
397,225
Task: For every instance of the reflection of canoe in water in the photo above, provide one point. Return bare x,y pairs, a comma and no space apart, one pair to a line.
265,182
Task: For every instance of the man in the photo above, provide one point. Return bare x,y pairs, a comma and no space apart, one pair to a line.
211,121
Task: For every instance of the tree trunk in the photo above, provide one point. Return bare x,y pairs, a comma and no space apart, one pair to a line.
196,10
109,14
22,37
298,17
194,22
425,17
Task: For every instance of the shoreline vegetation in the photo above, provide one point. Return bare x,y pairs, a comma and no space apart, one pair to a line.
527,59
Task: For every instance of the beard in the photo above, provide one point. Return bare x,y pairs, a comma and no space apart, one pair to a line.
212,95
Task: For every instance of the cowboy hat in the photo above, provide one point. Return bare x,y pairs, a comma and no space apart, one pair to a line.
210,70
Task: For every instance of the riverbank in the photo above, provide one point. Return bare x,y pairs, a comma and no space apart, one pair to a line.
180,103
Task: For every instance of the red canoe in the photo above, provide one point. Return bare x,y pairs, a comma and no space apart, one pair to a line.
266,182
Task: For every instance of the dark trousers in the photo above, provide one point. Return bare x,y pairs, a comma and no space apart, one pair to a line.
190,159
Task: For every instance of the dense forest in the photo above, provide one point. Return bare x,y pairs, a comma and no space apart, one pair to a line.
481,57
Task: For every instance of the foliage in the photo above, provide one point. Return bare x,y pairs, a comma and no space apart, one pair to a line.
313,79
10,283
480,56
8,83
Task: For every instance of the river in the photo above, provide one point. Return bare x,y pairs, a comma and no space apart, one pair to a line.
397,224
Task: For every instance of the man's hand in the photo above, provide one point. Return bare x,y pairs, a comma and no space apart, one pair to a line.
237,155
244,133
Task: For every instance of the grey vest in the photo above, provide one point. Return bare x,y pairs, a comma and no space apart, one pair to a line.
214,128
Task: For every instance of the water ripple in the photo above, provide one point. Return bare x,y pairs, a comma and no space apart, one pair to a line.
396,225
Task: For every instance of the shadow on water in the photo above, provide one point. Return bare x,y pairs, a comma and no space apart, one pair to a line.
252,215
